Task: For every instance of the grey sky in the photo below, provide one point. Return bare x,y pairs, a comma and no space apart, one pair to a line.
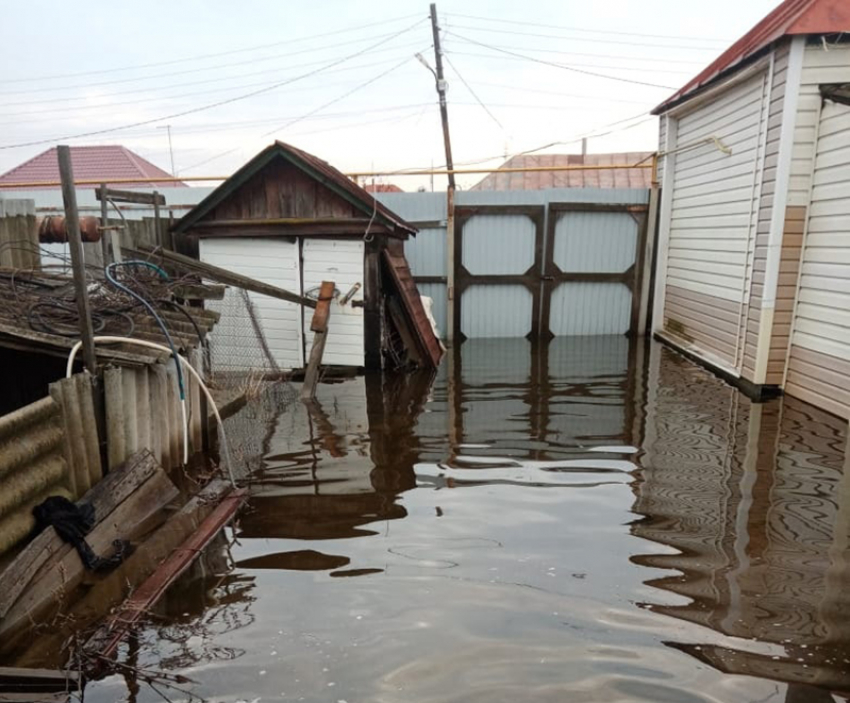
389,123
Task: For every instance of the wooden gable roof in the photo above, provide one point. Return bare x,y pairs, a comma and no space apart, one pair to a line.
284,190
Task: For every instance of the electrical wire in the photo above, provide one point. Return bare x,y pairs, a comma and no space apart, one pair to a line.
576,66
75,110
210,106
188,367
110,276
594,40
474,94
585,30
557,65
306,115
217,68
200,57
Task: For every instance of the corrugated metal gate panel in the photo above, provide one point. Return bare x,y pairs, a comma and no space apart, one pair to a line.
600,242
498,244
270,260
340,261
580,309
496,311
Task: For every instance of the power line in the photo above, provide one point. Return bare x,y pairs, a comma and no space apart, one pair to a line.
594,40
641,69
202,69
312,112
475,95
558,65
167,97
200,57
584,30
212,105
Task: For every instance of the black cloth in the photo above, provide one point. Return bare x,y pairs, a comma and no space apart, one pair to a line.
72,523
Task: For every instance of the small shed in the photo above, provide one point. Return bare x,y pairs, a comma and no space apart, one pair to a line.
289,219
753,274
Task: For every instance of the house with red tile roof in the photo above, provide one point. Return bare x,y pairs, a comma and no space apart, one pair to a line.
111,164
753,273
575,178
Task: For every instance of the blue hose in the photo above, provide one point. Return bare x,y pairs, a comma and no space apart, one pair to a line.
108,271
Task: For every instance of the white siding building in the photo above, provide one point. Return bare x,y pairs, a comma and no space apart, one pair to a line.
754,223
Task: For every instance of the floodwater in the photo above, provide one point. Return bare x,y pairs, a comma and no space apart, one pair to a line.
587,521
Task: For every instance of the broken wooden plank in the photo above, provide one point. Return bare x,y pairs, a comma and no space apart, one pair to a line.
110,492
62,570
221,275
322,312
319,326
196,524
199,291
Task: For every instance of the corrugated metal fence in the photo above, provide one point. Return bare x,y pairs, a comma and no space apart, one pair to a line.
561,262
52,446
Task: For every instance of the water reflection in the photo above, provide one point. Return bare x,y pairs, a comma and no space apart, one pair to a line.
755,500
588,520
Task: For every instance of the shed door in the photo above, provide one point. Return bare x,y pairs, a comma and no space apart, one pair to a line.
340,261
234,343
712,221
819,363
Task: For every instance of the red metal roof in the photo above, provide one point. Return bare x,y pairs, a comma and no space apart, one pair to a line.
595,178
789,18
104,163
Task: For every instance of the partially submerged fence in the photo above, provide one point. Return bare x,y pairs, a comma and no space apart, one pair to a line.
53,446
537,264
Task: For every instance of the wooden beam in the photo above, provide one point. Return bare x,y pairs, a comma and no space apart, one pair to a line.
75,244
197,523
129,196
37,681
319,326
221,275
256,228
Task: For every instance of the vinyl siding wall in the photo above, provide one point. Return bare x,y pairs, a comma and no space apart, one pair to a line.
819,358
713,219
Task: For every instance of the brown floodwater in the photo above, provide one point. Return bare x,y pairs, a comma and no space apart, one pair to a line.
591,520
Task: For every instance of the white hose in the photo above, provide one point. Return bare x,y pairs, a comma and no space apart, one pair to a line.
186,365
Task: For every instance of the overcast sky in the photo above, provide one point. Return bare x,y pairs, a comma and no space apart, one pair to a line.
340,78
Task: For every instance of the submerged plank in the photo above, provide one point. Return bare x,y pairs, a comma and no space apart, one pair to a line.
62,570
178,543
110,492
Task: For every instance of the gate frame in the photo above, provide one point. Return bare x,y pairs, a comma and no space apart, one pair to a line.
530,278
552,275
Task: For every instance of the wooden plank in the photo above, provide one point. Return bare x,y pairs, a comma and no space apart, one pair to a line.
129,196
115,488
122,506
36,681
323,307
196,524
224,276
311,377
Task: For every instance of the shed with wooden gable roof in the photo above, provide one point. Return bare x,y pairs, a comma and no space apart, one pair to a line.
292,220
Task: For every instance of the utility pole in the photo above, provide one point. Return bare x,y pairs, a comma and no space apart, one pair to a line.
441,86
75,244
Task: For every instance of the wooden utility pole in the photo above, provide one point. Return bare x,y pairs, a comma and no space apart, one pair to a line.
75,244
450,191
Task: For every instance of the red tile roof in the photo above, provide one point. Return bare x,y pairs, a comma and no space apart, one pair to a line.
101,163
595,178
789,18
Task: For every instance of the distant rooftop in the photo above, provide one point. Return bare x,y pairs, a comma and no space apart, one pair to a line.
382,188
595,178
102,163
